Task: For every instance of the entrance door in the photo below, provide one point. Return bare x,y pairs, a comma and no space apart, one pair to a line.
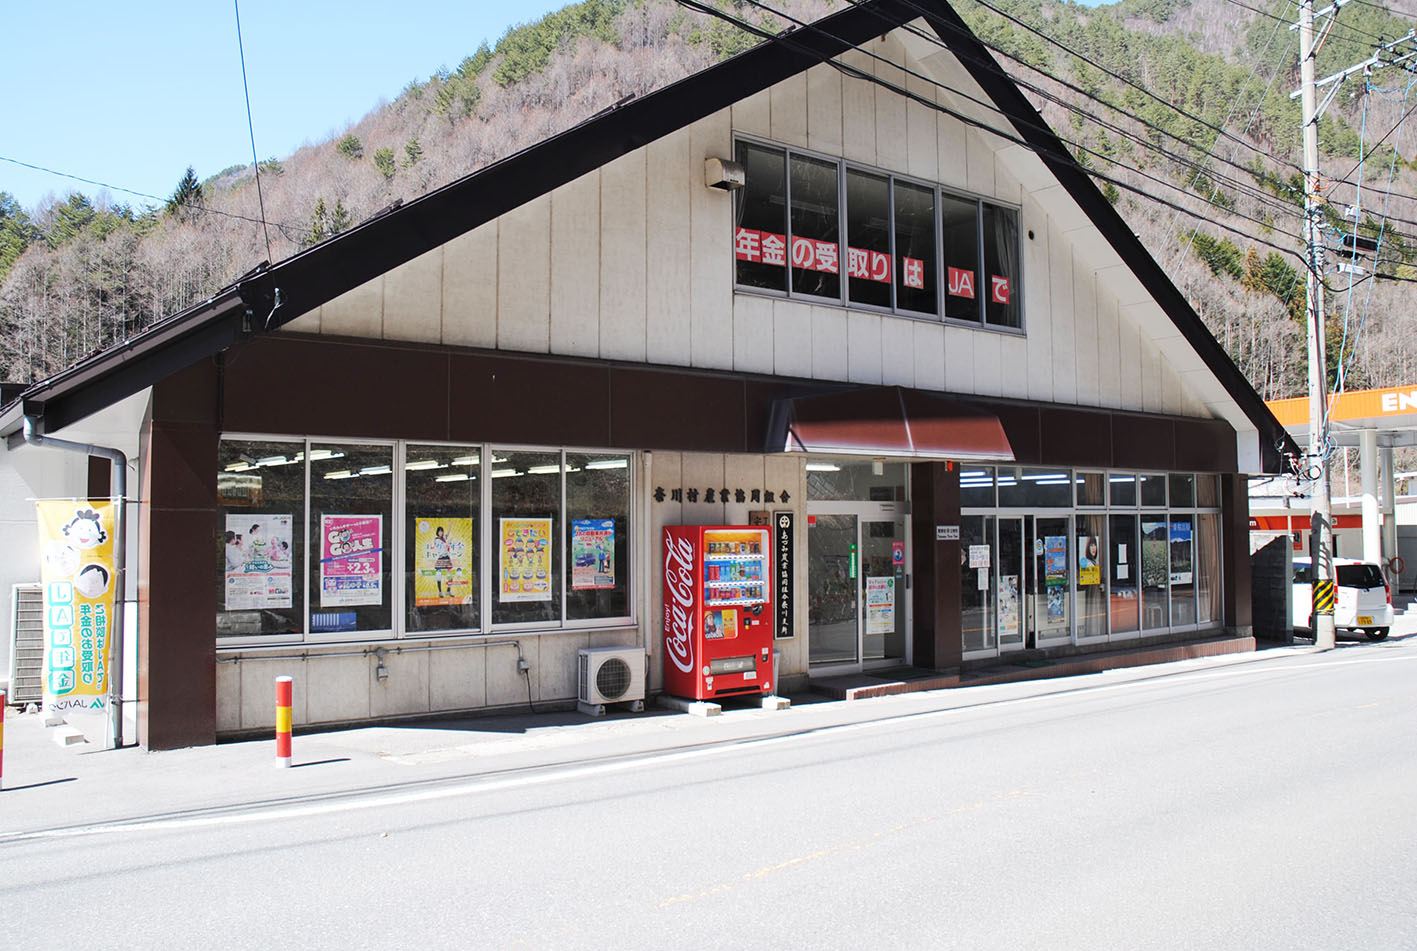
1049,596
833,591
883,590
856,588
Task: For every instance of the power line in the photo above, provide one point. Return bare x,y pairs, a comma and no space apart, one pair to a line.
128,191
250,127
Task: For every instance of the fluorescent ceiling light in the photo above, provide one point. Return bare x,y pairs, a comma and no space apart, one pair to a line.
424,464
822,467
317,454
977,474
376,470
541,470
467,461
503,473
341,474
239,467
276,461
609,464
455,477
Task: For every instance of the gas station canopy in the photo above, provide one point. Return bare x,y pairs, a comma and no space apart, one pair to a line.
1391,412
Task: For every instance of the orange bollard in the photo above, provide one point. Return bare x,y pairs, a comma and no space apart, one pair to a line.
284,691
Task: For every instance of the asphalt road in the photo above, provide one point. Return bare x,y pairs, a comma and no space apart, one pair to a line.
1265,804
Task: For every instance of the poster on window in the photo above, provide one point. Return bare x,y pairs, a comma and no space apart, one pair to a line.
592,553
1008,606
1089,566
76,569
442,565
1181,552
524,566
880,605
351,560
258,562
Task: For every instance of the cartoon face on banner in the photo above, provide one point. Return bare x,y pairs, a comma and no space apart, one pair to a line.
75,539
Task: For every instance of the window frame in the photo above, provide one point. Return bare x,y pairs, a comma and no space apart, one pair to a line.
939,191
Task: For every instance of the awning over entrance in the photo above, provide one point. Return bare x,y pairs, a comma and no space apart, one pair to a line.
887,421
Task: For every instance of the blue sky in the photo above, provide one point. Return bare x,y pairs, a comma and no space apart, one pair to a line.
132,93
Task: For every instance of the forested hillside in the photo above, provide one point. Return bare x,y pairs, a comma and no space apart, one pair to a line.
1180,109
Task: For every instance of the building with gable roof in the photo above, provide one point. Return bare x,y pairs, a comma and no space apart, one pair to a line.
849,275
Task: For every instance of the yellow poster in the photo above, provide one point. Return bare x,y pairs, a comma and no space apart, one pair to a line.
442,561
76,567
524,564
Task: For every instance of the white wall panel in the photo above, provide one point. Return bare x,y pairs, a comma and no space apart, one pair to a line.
1131,365
988,364
413,299
575,267
668,271
858,108
864,347
1085,321
929,355
752,334
953,153
922,131
524,279
307,323
898,351
792,338
356,313
891,136
1109,368
470,288
981,165
711,260
959,359
754,114
1060,289
789,111
829,344
623,255
1013,366
1038,302
824,110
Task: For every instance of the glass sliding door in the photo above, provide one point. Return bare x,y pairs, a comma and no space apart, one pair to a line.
977,588
1050,609
883,587
1124,607
1091,582
833,588
1155,572
1183,585
1012,561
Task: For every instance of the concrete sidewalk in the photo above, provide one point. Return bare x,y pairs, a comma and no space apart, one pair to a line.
47,786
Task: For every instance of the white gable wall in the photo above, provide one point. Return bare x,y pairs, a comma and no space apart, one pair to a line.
634,262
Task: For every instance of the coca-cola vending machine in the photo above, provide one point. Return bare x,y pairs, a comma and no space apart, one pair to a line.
718,626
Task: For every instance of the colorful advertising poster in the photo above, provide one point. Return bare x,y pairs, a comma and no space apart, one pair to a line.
351,560
258,562
1008,606
1089,564
592,553
524,568
880,605
442,569
720,624
76,569
1181,552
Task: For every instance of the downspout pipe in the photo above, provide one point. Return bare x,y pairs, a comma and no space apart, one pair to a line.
33,423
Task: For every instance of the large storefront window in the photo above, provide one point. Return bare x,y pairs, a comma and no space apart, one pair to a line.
844,481
442,581
323,566
598,543
1086,555
909,247
261,498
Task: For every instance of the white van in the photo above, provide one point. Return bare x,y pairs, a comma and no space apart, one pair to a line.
1364,598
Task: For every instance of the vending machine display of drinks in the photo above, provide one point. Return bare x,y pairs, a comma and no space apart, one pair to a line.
718,626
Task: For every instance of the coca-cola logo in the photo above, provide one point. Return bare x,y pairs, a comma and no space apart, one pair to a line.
679,601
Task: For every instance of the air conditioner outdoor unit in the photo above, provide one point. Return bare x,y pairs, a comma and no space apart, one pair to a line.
611,675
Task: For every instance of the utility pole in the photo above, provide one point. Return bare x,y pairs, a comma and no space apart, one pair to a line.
1321,519
1397,52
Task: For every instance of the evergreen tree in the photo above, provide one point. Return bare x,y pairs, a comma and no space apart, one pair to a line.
187,198
384,162
17,232
350,147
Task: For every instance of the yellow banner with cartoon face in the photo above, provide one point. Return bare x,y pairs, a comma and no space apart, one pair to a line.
76,567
